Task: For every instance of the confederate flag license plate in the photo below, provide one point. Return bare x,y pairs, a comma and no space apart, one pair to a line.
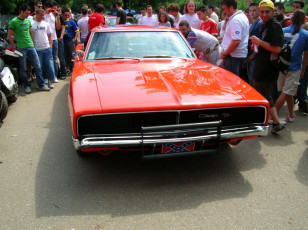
178,147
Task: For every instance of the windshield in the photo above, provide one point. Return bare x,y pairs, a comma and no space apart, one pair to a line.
147,44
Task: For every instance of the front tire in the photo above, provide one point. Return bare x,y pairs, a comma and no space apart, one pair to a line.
4,106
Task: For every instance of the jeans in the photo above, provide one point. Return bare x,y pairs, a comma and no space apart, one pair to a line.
250,68
302,89
69,49
47,63
35,62
62,58
55,56
233,64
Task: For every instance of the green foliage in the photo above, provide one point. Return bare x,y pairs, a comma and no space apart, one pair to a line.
11,6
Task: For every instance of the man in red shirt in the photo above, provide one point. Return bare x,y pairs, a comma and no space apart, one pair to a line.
97,19
208,24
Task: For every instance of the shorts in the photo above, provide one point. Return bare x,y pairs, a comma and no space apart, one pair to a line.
288,83
265,88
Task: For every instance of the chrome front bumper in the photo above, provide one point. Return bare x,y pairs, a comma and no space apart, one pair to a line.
205,132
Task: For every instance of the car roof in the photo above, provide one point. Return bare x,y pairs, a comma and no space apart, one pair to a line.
113,28
114,16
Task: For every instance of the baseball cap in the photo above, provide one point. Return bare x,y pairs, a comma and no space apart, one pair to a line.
267,3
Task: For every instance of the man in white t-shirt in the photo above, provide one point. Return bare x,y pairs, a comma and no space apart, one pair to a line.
212,14
150,19
143,13
83,24
53,18
235,41
43,44
202,41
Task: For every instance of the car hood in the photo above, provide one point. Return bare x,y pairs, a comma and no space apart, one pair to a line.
147,85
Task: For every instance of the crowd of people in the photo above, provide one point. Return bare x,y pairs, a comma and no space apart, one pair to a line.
242,42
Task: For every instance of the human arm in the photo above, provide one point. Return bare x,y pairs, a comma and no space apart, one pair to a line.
304,65
50,40
266,45
60,39
10,39
31,33
58,22
102,21
76,37
233,45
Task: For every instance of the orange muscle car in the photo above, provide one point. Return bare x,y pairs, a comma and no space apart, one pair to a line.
143,89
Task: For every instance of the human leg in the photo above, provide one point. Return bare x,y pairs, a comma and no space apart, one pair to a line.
48,64
233,64
23,67
280,101
70,57
55,56
62,59
265,89
250,68
35,62
302,93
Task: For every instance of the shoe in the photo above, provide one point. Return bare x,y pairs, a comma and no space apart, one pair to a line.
291,119
55,80
44,88
63,77
277,127
68,72
50,85
46,81
295,100
304,107
28,90
270,122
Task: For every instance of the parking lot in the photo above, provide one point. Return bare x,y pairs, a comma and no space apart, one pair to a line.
260,184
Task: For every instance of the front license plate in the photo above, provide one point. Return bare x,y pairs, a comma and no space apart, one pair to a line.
178,147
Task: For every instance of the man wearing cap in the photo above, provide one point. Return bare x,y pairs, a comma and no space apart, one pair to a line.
270,43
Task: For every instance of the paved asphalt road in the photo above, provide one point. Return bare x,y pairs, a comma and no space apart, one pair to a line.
260,184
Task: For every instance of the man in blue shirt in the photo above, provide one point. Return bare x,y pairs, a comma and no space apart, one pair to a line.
288,83
255,29
70,37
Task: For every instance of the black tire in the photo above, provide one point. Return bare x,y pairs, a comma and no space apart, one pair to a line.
81,153
13,98
4,106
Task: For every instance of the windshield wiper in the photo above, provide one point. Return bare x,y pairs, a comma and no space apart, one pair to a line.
163,56
115,57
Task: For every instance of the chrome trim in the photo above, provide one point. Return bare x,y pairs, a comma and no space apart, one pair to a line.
166,111
131,141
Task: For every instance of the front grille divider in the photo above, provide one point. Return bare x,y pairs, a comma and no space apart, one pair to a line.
206,125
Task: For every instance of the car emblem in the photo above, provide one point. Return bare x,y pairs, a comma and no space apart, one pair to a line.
225,115
202,116
215,115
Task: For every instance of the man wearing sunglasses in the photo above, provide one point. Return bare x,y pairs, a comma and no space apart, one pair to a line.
70,37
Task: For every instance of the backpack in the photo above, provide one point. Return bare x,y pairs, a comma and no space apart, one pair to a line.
283,60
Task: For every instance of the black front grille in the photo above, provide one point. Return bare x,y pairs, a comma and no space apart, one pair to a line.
132,122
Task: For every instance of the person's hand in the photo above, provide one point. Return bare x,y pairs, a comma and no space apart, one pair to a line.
48,10
254,40
222,55
60,39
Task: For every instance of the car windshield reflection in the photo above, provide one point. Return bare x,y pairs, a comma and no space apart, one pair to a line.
147,44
